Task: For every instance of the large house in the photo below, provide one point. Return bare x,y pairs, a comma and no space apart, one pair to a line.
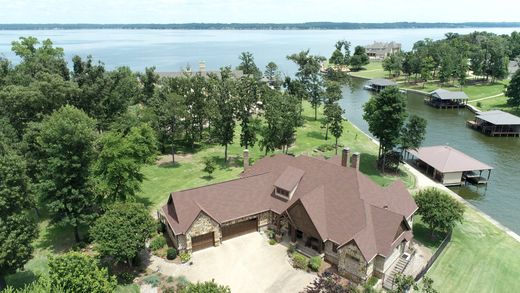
381,50
326,206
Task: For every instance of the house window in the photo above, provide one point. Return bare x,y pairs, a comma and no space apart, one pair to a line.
299,234
334,247
282,192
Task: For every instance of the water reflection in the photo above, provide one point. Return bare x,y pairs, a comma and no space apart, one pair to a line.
501,198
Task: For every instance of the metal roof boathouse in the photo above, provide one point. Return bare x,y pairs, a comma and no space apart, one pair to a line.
496,123
379,84
442,98
449,166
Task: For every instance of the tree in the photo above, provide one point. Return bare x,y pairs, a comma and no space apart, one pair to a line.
120,159
76,272
121,232
332,95
359,58
329,283
393,63
513,91
336,122
339,56
272,74
224,120
248,66
17,228
66,143
149,80
248,98
209,166
385,114
413,133
438,210
206,287
404,283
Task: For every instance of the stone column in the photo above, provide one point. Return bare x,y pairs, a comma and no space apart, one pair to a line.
246,159
355,160
344,156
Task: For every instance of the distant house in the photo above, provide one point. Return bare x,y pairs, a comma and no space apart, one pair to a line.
496,123
202,72
381,50
379,84
323,207
442,98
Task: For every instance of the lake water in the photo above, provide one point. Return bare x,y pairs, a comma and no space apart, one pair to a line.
170,50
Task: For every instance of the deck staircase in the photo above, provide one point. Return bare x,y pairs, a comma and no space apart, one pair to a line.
399,267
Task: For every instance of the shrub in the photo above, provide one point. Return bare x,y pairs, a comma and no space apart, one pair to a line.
291,249
153,280
157,242
315,263
185,256
270,234
372,281
125,278
479,104
171,253
170,279
300,261
272,241
182,282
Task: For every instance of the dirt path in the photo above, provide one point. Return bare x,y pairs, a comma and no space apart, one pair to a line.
487,98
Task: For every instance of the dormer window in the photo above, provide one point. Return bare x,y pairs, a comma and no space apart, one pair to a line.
282,192
287,183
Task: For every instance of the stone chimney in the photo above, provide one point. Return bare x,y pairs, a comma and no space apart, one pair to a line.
355,161
344,156
202,66
246,159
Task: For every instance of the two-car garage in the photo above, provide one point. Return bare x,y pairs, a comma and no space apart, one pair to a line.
228,232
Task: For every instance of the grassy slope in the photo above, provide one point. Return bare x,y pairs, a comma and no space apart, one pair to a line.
480,258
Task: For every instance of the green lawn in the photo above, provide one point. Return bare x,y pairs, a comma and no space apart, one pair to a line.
480,258
497,103
374,69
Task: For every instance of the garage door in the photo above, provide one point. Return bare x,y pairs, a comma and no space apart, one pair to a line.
202,241
239,229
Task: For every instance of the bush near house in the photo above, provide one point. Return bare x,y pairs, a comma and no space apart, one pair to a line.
171,253
157,242
315,263
300,261
185,256
272,241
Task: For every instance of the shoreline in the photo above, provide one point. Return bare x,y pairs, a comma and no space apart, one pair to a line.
422,181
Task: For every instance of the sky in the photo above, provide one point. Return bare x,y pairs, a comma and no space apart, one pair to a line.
247,11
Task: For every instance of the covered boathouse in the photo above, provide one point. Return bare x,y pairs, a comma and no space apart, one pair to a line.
379,84
444,99
449,166
496,123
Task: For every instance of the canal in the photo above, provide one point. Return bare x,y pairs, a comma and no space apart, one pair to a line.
501,197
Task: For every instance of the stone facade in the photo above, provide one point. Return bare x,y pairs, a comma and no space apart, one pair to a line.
351,263
330,255
202,225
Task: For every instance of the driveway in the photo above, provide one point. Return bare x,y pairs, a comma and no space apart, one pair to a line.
246,264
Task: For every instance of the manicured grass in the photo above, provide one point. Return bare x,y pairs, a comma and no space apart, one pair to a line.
497,103
422,234
374,69
480,258
187,172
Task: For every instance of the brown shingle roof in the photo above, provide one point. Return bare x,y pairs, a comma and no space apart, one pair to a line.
339,200
447,159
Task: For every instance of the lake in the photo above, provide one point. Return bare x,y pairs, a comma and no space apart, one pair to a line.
170,50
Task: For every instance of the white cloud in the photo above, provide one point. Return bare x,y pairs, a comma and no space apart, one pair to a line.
181,11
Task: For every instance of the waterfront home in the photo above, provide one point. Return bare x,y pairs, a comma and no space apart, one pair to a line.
496,123
379,84
324,207
202,72
381,50
449,166
442,98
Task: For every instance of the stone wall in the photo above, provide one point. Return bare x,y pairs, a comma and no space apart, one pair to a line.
202,225
330,255
351,263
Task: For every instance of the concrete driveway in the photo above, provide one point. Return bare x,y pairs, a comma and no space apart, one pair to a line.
246,264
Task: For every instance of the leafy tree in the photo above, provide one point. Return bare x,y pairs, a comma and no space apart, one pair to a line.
149,80
206,287
513,91
330,283
121,232
65,141
336,122
17,228
209,166
359,58
224,121
393,63
315,93
404,283
386,114
248,98
332,95
341,55
248,66
438,209
118,166
41,285
76,272
272,74
413,133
